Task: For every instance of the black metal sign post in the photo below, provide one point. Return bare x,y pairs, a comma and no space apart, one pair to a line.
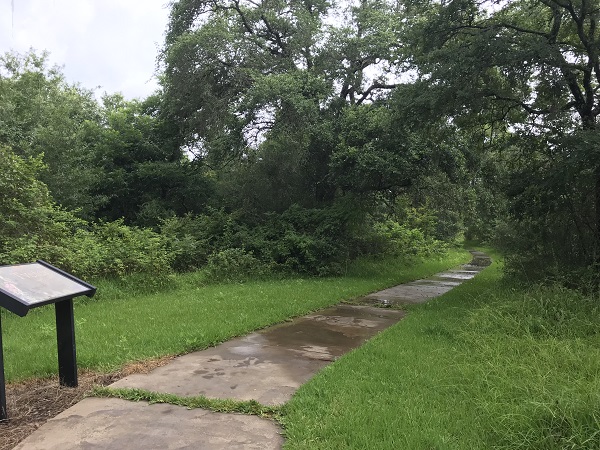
3,415
27,286
65,339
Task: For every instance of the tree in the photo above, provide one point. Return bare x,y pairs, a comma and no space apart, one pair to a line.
533,67
258,88
41,114
236,68
24,200
145,175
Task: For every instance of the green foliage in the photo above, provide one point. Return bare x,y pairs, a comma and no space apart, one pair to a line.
114,249
101,250
43,115
369,157
309,241
261,84
24,201
234,264
145,177
549,230
33,227
300,240
401,240
192,239
505,73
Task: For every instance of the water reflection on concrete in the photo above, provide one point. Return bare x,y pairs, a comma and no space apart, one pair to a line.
269,365
420,291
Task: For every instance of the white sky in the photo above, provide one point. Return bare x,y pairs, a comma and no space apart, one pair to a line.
106,45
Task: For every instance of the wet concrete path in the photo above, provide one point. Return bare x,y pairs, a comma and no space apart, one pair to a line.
267,366
419,291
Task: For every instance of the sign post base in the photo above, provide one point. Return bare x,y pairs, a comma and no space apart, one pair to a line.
27,286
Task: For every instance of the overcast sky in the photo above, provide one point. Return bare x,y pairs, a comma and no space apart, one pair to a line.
105,45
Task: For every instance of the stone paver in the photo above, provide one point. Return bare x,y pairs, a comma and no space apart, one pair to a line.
96,423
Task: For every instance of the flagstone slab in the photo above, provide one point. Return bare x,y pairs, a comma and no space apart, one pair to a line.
96,423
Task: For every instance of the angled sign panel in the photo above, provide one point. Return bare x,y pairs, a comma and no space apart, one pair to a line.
26,286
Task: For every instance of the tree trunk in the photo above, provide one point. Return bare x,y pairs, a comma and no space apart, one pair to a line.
589,123
596,249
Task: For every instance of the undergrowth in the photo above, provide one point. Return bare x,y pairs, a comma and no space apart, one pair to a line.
488,365
138,318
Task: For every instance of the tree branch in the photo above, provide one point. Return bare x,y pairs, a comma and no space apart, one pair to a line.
530,109
376,85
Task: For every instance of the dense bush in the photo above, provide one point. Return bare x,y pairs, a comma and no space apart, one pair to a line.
311,241
300,240
234,264
106,249
399,239
34,227
192,239
114,249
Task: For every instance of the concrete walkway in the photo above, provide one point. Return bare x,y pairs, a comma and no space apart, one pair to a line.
267,366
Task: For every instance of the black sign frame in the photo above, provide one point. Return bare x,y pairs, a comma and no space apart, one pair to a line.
13,299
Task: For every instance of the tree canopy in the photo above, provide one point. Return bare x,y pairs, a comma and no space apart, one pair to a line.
304,132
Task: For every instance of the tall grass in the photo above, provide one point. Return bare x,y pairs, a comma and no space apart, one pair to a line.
488,365
139,318
541,349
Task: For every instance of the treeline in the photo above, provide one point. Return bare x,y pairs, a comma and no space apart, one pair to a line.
294,136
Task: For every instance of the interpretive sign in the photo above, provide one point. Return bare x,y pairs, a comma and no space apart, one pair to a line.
27,286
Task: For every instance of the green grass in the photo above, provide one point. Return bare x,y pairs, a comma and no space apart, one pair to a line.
250,407
485,366
125,323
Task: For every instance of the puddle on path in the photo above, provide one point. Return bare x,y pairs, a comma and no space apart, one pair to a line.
269,365
332,332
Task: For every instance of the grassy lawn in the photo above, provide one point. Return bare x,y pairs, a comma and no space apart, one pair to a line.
122,324
487,365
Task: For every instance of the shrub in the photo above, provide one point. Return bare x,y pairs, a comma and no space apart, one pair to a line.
34,227
192,239
115,249
300,240
109,249
234,264
402,240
